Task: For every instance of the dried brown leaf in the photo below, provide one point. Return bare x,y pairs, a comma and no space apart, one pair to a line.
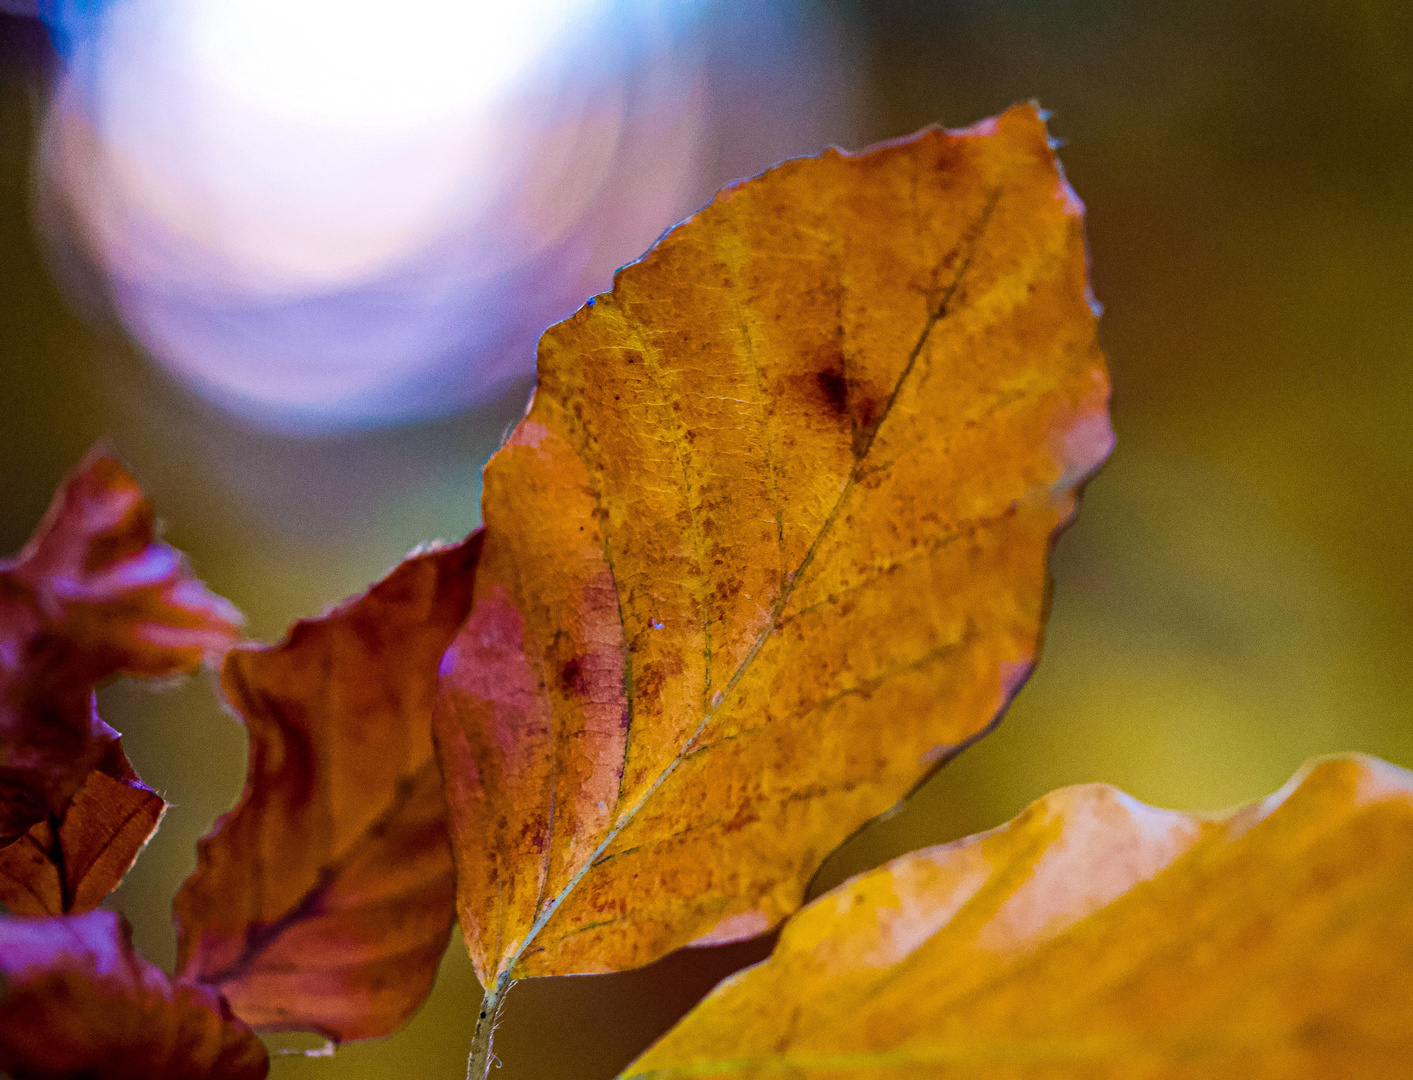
71,868
324,900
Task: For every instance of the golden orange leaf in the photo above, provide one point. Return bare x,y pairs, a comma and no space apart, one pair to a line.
77,1001
94,594
769,545
1095,937
324,900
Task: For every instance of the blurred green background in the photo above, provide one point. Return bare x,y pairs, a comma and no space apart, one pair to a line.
1236,596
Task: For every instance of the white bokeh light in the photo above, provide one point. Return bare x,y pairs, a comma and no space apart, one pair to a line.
309,59
324,214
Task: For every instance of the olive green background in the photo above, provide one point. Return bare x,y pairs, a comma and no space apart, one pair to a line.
1236,596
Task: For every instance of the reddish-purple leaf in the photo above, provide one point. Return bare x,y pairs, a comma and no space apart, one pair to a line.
78,1001
94,594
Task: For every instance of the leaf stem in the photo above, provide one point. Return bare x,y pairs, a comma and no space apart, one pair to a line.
478,1066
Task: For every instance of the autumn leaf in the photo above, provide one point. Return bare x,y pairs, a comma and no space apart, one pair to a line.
94,594
79,1001
1094,936
71,868
324,900
769,545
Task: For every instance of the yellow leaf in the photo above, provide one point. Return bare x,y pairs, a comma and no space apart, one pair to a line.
769,545
1094,936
